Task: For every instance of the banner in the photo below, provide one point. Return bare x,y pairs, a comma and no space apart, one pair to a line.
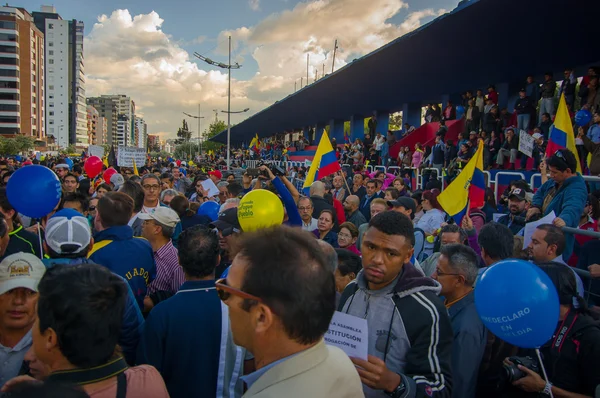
525,143
126,154
96,150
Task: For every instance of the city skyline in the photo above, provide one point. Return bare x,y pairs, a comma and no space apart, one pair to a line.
145,50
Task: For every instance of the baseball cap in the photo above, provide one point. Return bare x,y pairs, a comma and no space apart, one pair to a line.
227,222
216,173
21,270
473,133
162,215
68,232
62,166
536,136
405,202
518,193
117,180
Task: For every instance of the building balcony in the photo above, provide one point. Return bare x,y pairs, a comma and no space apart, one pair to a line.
9,102
9,43
10,113
10,125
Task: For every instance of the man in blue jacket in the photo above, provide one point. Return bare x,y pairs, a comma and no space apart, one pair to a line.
117,249
564,193
68,239
188,334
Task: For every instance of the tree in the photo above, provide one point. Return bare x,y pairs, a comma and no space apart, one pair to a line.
68,150
183,134
183,151
24,143
215,128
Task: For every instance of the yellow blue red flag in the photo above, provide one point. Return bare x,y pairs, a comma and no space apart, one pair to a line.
467,191
561,133
323,164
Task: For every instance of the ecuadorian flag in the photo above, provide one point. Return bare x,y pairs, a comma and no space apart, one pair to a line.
254,143
324,163
561,133
467,191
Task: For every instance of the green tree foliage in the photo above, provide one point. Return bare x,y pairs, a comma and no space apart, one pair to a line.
215,128
16,145
183,134
183,151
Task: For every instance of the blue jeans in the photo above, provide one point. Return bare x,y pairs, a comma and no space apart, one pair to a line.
546,105
523,122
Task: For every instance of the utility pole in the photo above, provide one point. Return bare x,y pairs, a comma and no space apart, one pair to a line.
229,109
216,111
335,47
199,134
295,83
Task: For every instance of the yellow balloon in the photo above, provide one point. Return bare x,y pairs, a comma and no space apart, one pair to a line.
260,209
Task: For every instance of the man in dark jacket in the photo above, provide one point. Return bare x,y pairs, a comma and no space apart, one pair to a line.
567,87
547,90
456,271
523,107
365,203
317,193
410,347
68,240
510,147
117,249
517,206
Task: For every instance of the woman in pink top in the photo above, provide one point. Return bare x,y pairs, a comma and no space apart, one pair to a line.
417,156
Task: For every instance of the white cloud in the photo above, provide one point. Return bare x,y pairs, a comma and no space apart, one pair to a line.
254,4
133,55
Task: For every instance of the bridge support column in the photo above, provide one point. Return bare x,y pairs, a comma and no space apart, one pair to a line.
357,128
336,130
411,114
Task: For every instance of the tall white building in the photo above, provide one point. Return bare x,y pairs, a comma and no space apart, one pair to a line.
66,116
123,130
142,132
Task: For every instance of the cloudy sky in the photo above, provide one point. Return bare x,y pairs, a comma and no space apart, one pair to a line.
145,48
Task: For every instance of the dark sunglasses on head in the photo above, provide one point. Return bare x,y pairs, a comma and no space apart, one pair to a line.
225,291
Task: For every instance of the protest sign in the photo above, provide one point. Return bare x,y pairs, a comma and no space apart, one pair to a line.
96,150
525,143
210,186
350,334
127,154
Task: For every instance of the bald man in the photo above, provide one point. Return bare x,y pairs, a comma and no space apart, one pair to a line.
317,192
354,215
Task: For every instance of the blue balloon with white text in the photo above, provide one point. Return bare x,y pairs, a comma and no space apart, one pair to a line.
517,302
34,191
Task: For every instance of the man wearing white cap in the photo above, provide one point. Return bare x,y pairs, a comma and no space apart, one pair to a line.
20,274
158,228
61,170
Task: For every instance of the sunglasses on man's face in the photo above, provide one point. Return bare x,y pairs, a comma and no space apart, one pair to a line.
225,291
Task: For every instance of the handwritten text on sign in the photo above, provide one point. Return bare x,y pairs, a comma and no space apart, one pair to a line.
127,154
350,334
525,143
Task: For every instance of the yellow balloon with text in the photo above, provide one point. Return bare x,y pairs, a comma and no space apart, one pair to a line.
260,209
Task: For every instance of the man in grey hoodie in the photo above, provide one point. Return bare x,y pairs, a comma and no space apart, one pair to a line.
410,335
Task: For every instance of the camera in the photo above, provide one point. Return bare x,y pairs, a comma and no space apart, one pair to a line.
512,373
276,170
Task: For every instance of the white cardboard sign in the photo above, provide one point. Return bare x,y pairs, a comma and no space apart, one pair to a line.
525,143
96,150
531,226
127,154
210,186
350,334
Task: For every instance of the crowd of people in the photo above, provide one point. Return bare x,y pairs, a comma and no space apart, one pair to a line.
128,289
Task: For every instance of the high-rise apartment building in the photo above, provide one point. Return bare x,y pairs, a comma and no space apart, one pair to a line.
112,107
142,132
92,124
21,74
66,117
153,141
101,132
123,130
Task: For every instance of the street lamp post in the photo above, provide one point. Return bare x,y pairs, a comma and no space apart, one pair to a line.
229,67
199,137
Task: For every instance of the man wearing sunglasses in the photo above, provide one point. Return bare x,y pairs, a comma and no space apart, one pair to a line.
228,228
281,298
187,337
564,193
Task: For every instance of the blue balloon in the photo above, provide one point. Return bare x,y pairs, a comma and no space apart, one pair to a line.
210,209
34,191
518,302
183,171
583,117
69,162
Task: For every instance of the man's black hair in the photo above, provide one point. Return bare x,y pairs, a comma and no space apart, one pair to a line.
287,269
136,192
497,240
76,197
394,223
77,169
348,262
234,189
69,174
564,280
84,305
562,160
453,228
198,251
418,196
168,176
554,236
